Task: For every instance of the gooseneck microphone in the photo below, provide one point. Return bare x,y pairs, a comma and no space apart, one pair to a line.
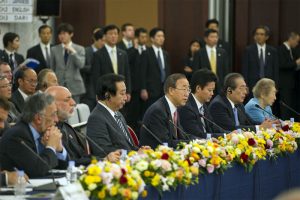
153,135
289,108
184,133
258,106
213,123
244,114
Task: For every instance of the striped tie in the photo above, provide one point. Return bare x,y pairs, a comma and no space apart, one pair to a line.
122,127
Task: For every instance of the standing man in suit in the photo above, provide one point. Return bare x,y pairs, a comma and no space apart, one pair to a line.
110,59
42,51
288,65
227,109
38,131
203,84
5,70
76,144
162,118
126,43
260,59
11,43
106,125
155,68
98,42
212,57
26,81
67,59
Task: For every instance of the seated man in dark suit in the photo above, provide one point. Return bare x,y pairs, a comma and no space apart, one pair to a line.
36,131
227,109
106,125
203,85
77,146
26,81
162,118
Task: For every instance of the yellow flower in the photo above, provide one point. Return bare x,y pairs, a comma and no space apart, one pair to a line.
144,193
155,180
89,180
101,194
205,153
113,191
126,193
194,170
94,170
147,173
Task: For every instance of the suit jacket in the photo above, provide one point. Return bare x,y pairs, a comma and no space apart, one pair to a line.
191,120
221,44
102,65
122,45
222,114
36,53
2,179
287,68
250,64
257,115
68,75
13,114
18,100
157,120
5,57
201,60
14,154
103,129
151,76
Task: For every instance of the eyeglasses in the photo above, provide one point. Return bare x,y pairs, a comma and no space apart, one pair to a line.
6,86
188,90
32,82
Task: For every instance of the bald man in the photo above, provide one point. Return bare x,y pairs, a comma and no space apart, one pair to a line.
75,143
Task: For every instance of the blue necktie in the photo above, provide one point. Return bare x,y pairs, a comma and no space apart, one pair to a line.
40,145
162,70
261,64
236,117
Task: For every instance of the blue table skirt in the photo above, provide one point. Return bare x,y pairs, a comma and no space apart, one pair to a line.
267,179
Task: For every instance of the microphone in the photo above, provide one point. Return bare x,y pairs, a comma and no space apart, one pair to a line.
258,106
153,135
289,108
244,114
94,143
184,133
213,123
46,187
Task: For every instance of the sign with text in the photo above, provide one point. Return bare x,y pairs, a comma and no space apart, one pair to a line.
16,11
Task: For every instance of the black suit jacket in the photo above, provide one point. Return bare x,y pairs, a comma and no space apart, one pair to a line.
5,57
287,68
157,120
18,101
191,120
150,74
2,180
103,129
250,64
201,60
36,53
14,154
102,65
222,114
122,45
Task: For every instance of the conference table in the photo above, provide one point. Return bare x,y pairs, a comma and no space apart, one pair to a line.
267,180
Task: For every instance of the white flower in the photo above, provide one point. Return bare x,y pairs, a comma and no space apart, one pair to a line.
238,151
165,187
156,164
196,149
210,149
170,180
142,165
134,195
166,165
92,186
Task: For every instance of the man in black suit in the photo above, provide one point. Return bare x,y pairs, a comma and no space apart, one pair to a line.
110,59
203,84
106,126
38,131
288,65
260,60
41,51
11,43
126,43
162,118
212,57
155,68
76,144
98,42
227,109
26,81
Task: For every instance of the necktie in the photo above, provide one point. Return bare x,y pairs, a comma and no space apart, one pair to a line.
114,61
66,56
162,70
213,63
261,64
122,127
48,57
40,146
12,62
236,117
201,111
129,44
175,116
291,54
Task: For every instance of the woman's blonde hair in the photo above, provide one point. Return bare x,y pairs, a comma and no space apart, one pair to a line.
263,87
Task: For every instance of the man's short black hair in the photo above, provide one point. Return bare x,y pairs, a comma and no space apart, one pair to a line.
202,77
98,34
44,26
230,81
20,74
266,28
110,27
65,27
211,21
9,37
124,26
138,31
172,80
207,32
154,31
106,85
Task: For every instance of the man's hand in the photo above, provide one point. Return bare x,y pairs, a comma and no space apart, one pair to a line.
268,123
114,156
54,138
70,49
12,177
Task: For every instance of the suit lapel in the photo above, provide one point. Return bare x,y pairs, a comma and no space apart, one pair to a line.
195,109
153,55
206,58
108,60
119,61
172,128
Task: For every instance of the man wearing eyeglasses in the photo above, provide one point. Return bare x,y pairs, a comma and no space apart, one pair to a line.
161,123
26,81
227,109
5,70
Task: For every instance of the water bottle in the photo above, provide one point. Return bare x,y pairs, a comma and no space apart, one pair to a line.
20,186
71,172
